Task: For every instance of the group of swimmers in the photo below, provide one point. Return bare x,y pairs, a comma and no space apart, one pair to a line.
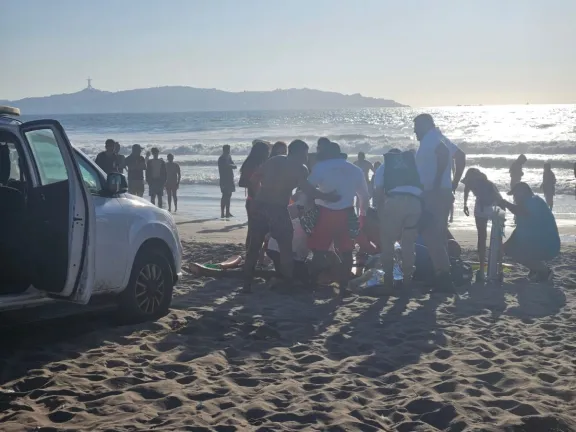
412,193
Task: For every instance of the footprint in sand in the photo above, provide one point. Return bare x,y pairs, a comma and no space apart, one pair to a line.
439,367
549,378
28,384
60,416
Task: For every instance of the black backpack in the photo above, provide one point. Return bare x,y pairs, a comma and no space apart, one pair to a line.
400,170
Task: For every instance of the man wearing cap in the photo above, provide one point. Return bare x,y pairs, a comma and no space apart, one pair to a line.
335,219
535,239
136,165
107,159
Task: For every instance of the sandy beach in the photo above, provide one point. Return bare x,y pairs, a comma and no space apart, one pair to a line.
485,359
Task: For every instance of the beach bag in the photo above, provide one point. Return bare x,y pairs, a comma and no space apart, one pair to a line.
400,170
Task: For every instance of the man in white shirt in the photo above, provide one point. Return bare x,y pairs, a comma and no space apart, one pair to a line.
434,160
398,196
335,174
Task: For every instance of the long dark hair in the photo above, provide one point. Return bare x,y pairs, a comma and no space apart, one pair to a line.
258,155
279,148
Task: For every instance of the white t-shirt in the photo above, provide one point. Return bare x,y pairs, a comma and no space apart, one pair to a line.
344,178
379,184
426,160
299,242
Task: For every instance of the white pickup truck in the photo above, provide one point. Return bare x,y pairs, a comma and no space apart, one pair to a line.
69,232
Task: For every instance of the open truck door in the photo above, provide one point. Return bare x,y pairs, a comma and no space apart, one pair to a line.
62,218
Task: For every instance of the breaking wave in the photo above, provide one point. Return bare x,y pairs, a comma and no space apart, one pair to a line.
375,145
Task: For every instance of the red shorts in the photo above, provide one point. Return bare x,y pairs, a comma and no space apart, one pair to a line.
331,226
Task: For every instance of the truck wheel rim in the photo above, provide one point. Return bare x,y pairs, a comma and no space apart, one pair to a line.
150,288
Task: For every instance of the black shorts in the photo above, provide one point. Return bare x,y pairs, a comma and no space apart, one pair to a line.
156,187
270,218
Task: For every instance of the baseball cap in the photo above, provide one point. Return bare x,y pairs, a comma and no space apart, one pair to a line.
137,147
518,187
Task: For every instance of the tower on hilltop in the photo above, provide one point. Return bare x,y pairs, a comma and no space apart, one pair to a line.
89,86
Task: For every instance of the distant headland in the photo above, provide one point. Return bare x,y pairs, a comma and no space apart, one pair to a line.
182,99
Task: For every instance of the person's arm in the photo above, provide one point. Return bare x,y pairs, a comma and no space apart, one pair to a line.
466,193
310,191
148,172
232,164
442,156
460,165
370,166
178,174
98,161
379,191
515,209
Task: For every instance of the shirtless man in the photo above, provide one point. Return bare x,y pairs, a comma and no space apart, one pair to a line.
278,176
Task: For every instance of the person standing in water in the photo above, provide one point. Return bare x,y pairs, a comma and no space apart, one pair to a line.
156,177
173,177
136,165
548,186
226,170
107,160
516,172
487,196
277,178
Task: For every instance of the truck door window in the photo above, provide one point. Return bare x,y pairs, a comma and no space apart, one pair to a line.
49,160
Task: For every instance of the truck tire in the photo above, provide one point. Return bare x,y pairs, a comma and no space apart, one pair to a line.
149,291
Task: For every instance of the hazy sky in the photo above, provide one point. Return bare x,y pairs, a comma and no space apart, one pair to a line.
419,52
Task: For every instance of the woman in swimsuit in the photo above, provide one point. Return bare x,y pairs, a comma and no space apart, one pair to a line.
258,155
487,196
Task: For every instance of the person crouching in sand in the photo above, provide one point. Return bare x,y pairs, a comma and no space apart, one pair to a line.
487,196
535,239
336,217
278,177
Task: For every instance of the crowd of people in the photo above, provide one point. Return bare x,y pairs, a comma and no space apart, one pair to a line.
338,206
159,175
412,194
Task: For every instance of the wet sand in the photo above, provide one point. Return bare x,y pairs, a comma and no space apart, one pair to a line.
485,359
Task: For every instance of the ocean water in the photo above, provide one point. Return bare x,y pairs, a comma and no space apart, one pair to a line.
491,136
